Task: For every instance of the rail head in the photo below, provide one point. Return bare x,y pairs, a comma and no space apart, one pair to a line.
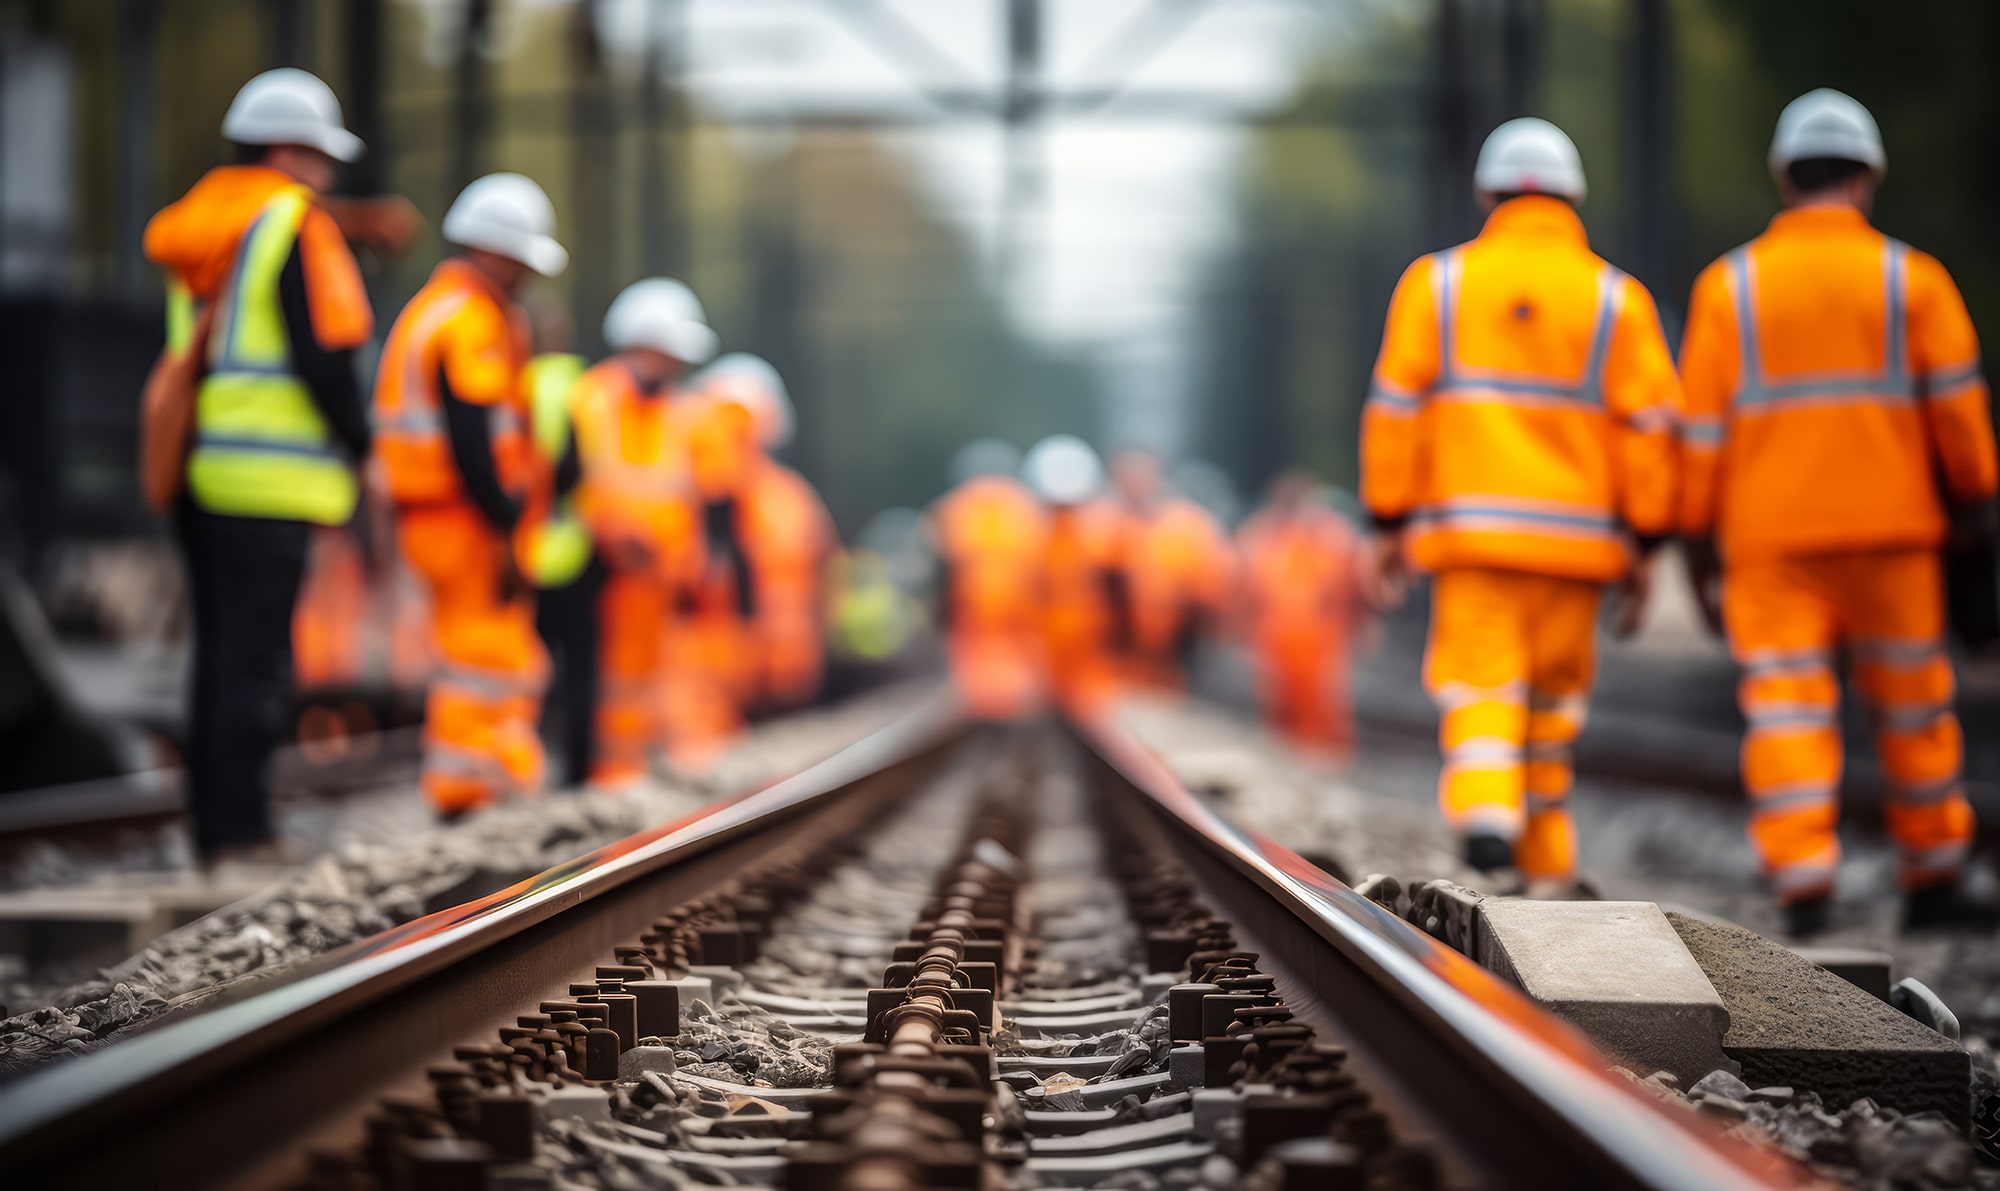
1530,1051
43,1113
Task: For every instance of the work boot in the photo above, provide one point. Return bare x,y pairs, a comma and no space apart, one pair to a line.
1488,853
1947,904
1808,916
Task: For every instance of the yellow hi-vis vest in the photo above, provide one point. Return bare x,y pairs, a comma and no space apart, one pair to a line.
261,448
559,548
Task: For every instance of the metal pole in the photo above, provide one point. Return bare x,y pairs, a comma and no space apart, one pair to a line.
138,37
1022,181
363,101
1652,140
1520,37
1451,132
470,102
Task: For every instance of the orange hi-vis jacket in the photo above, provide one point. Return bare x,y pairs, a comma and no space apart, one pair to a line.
1179,564
462,327
992,534
1522,411
635,486
1832,385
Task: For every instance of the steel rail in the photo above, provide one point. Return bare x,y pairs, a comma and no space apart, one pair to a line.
237,1091
1508,1094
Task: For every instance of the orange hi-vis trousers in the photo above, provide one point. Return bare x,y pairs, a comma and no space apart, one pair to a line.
1303,684
479,716
1787,616
632,616
1510,664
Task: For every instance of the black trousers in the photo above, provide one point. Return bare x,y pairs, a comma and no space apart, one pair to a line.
566,617
243,578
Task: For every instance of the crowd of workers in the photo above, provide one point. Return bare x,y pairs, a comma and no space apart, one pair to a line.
1528,441
623,525
1825,439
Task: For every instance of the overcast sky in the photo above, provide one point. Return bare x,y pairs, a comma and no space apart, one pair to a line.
1121,207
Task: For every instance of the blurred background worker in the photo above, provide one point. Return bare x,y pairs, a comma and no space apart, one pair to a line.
278,423
1837,433
629,457
1518,435
567,575
990,536
1302,602
1079,574
451,422
1172,578
751,630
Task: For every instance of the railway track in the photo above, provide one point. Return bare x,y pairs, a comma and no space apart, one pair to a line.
948,956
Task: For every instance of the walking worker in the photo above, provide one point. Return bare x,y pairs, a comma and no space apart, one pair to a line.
452,430
636,497
1302,602
1518,445
1836,434
279,424
1173,575
990,535
1079,573
770,518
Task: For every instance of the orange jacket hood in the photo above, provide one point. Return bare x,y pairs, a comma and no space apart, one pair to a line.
196,236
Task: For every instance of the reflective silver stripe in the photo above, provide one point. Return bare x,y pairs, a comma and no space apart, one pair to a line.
1790,798
1944,858
1444,285
1483,750
1453,695
1610,300
1891,385
1788,661
1924,793
1777,716
1702,430
1653,419
1911,717
1392,402
417,401
1940,381
1455,380
410,421
494,684
1543,803
1797,878
1909,652
1550,752
1505,822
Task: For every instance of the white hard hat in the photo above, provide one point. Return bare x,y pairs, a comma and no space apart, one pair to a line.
288,106
984,457
1529,156
1827,123
755,384
1063,469
662,314
510,216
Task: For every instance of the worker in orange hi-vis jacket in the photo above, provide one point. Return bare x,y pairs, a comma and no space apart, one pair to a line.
1174,575
769,540
990,536
1079,573
1302,599
1836,429
451,428
1518,444
634,493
